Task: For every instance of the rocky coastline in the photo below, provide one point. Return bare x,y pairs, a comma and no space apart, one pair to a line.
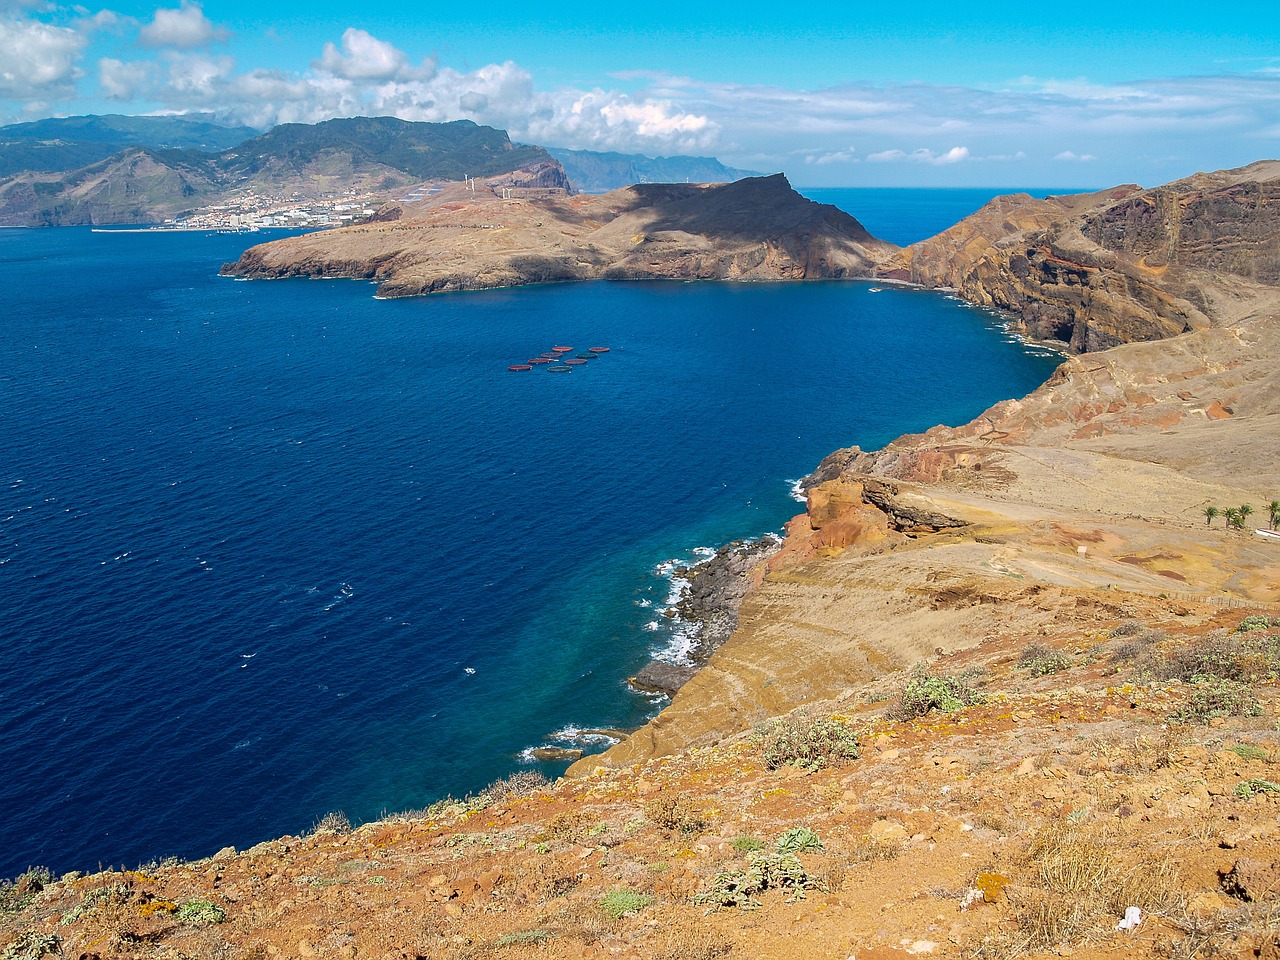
711,594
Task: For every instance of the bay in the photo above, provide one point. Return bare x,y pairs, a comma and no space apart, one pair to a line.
272,549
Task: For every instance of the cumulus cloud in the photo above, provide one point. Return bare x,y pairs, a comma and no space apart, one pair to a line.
122,81
1078,157
364,57
183,28
38,60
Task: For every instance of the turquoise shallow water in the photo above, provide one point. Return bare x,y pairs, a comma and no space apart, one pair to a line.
272,549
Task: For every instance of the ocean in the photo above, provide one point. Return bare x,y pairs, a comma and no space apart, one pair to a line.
274,549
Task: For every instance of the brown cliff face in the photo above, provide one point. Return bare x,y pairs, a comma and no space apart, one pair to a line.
1097,270
459,239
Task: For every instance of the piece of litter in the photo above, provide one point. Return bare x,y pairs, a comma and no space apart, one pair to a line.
1132,917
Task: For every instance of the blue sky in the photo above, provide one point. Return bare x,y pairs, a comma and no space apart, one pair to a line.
921,94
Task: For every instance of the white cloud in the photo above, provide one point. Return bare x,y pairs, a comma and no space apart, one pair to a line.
365,57
123,81
833,156
38,60
886,156
183,28
1077,157
921,155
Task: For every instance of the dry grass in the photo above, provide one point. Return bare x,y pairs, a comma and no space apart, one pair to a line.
674,812
1083,878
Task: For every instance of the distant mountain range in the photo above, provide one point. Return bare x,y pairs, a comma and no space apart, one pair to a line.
593,172
118,169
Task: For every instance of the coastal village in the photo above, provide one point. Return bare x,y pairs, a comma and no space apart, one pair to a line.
250,212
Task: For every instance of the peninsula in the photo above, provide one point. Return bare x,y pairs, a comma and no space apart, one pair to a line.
482,234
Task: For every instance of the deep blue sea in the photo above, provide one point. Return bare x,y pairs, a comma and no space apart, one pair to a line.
272,549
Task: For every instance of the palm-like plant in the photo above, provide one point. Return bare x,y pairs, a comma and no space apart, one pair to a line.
1245,510
1233,517
1209,513
1273,508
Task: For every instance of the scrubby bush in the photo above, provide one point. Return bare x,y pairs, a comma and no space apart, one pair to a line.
1212,696
18,892
674,812
1041,660
335,821
1128,628
522,783
1257,621
926,691
620,902
746,844
798,840
200,912
1235,657
801,740
767,871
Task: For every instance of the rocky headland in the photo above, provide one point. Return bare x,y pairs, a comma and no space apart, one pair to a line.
1008,689
463,238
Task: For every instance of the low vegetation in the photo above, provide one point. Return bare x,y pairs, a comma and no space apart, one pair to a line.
1041,660
926,691
806,741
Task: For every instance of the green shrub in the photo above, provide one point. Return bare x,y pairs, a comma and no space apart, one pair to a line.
746,844
22,889
1257,621
1042,660
926,691
620,902
200,912
767,871
1212,696
32,946
798,840
1248,788
1247,751
800,740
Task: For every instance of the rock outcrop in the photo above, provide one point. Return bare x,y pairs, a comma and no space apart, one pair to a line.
1122,265
473,239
